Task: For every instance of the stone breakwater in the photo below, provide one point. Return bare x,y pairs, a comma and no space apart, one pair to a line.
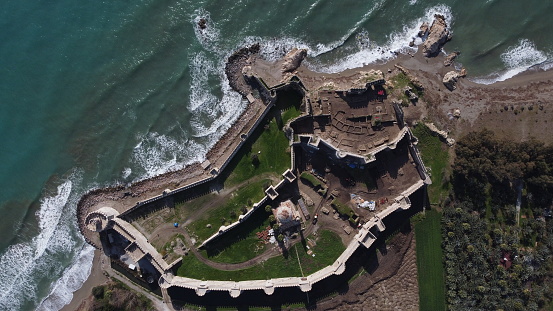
234,65
124,197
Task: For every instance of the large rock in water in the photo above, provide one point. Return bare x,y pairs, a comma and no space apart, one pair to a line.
449,58
293,59
450,79
437,36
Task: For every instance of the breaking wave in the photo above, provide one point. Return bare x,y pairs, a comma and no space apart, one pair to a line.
127,171
25,264
209,36
211,114
156,154
71,280
371,52
273,49
517,59
547,65
200,70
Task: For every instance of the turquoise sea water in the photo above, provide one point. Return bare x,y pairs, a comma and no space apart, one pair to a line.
94,93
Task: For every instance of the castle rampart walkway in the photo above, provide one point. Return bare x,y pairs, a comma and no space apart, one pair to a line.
365,237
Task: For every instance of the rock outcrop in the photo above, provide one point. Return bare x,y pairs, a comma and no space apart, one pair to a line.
449,58
234,68
202,23
366,77
423,30
438,35
450,79
411,77
293,60
443,134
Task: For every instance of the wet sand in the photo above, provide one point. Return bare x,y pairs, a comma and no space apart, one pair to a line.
81,297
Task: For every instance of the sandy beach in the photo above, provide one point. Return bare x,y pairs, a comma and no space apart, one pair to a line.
81,297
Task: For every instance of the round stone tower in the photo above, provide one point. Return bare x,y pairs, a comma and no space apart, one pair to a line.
101,219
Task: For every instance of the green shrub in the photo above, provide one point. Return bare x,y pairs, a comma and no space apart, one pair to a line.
341,208
98,292
311,179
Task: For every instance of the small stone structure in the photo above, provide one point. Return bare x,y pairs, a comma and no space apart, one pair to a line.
286,213
101,219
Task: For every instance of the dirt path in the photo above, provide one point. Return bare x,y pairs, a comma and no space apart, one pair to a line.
169,230
222,196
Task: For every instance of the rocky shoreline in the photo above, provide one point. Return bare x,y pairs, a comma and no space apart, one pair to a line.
233,68
478,105
123,197
440,98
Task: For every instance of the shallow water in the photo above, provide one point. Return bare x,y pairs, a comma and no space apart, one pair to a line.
96,93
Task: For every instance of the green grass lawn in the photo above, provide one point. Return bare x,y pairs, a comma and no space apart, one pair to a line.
435,155
341,208
271,148
229,211
182,210
241,243
401,81
290,113
268,142
429,262
289,102
329,247
311,179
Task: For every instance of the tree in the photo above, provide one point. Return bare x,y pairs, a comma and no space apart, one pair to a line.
98,292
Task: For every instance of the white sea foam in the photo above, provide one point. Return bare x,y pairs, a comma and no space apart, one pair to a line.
412,2
517,59
312,6
548,65
369,52
156,154
25,264
397,42
212,119
273,49
71,280
200,70
127,171
208,37
211,115
324,48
